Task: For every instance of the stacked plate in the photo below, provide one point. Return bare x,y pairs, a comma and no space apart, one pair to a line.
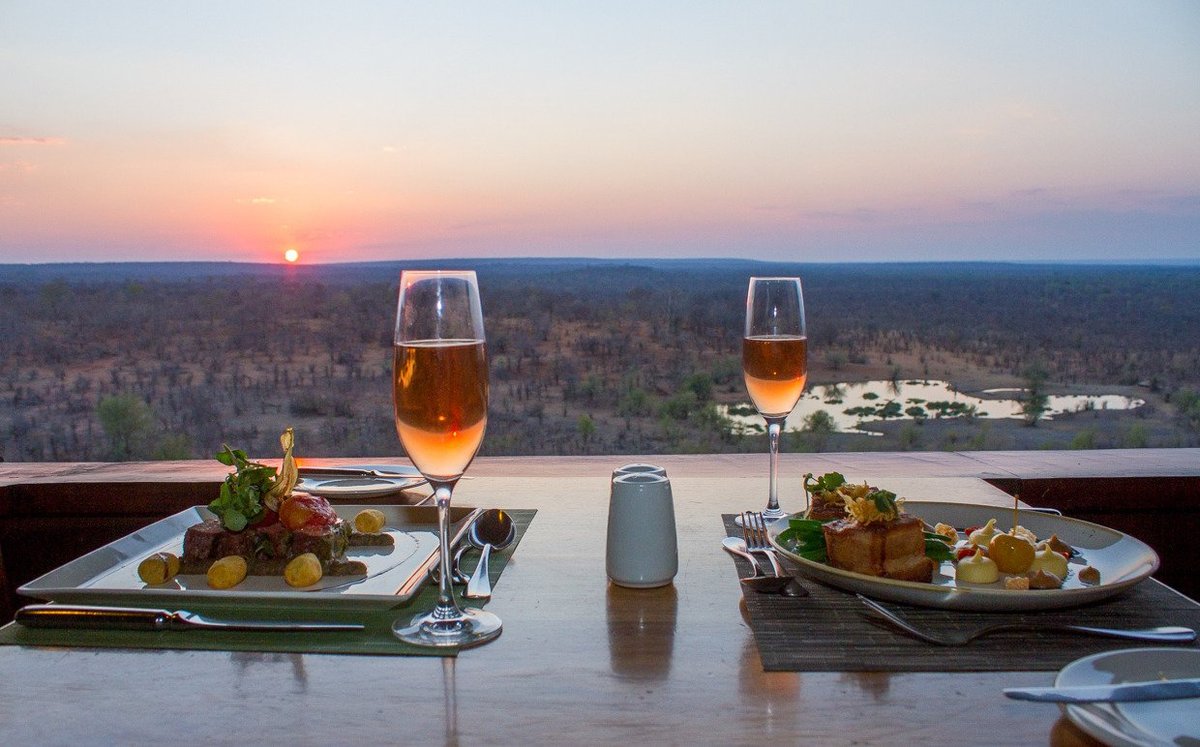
358,481
1158,722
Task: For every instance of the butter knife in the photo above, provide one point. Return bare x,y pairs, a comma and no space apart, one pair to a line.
1127,692
136,618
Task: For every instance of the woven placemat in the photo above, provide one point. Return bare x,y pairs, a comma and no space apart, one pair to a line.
830,631
376,638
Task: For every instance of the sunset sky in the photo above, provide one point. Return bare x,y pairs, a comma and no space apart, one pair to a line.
799,131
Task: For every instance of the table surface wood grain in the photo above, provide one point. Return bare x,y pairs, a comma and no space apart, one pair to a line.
580,660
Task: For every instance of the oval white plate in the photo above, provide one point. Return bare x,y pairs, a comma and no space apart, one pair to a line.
342,486
1122,561
1135,724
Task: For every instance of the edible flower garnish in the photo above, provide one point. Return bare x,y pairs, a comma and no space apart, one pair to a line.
877,505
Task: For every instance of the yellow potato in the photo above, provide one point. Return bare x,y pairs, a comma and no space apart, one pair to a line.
303,570
158,568
227,572
369,520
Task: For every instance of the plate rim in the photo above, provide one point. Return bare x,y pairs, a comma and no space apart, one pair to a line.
382,485
971,598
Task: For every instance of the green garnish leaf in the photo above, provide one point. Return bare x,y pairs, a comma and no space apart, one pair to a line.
805,538
826,483
936,548
884,500
234,520
240,499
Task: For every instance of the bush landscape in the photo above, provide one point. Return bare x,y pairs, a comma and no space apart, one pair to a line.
166,361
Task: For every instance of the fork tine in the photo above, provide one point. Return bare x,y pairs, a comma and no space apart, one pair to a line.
757,539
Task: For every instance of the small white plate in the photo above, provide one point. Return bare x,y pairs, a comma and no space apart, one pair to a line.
1158,722
343,486
1123,561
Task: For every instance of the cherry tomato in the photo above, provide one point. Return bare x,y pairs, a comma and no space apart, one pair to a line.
967,551
304,510
266,518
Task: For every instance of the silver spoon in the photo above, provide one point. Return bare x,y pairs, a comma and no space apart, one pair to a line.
786,585
492,530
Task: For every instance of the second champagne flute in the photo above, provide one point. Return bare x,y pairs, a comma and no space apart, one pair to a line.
441,397
775,362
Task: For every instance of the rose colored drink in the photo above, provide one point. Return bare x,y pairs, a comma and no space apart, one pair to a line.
441,396
776,370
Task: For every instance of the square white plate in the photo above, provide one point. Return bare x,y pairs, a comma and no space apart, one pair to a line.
108,575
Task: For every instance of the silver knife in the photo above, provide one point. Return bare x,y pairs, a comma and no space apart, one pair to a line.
136,618
1127,692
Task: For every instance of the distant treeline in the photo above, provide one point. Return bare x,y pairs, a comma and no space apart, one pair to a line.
116,361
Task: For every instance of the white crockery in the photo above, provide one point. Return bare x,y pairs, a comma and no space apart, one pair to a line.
1123,562
642,544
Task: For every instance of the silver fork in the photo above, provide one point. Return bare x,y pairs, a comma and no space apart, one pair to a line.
754,531
1168,633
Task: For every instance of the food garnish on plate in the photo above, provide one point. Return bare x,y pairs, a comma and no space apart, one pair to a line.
878,539
263,526
870,533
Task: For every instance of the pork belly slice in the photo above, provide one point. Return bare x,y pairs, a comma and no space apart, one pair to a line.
823,508
889,549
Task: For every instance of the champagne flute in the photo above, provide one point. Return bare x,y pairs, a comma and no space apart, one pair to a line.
775,362
440,388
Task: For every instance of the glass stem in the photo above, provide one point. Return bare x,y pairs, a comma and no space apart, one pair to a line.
774,430
446,607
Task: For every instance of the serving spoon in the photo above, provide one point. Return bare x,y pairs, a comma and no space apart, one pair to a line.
493,529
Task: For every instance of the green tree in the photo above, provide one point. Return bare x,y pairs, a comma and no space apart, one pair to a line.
700,384
1084,439
680,406
127,422
1035,403
174,446
819,426
910,437
1187,405
587,429
634,402
1137,437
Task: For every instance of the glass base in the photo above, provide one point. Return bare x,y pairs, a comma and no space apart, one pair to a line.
471,628
767,514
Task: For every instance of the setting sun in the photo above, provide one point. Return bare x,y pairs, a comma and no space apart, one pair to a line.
291,255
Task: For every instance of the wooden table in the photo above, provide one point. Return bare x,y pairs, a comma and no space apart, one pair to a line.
580,660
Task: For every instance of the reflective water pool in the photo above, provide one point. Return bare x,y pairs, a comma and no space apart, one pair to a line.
856,406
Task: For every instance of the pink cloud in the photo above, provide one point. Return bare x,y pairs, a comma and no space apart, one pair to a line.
15,140
20,167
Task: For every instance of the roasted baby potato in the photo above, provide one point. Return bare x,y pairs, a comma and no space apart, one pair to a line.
227,572
303,570
369,520
158,568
